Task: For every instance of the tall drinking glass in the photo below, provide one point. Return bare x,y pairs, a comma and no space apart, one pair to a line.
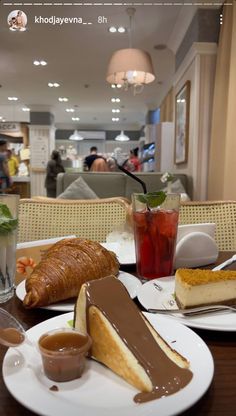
8,238
155,231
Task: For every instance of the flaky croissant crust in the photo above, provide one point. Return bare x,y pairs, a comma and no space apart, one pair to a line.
64,268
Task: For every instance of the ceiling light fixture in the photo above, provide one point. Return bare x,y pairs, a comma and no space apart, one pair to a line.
63,99
122,137
115,100
75,118
121,29
112,29
115,110
76,136
12,98
115,119
116,86
53,84
70,110
38,63
130,67
25,109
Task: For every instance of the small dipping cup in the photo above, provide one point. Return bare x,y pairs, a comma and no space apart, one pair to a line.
63,353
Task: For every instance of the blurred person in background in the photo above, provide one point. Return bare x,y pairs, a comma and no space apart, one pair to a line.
132,164
112,164
54,166
12,161
99,165
88,161
5,178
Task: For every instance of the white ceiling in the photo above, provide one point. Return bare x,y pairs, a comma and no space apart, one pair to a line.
78,55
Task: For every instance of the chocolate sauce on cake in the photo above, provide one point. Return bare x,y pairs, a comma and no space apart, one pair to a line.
112,299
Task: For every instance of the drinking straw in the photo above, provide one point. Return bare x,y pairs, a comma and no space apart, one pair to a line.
133,176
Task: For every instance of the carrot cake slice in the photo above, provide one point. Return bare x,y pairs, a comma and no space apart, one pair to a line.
197,287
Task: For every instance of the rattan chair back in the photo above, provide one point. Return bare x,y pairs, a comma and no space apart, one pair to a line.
222,213
43,218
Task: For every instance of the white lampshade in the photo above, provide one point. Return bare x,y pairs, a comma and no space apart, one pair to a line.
132,66
122,137
76,136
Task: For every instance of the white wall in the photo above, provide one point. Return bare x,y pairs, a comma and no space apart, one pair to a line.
198,67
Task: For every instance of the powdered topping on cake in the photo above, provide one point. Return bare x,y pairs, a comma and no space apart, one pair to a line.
201,277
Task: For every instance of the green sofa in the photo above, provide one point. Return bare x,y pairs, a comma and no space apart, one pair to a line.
112,184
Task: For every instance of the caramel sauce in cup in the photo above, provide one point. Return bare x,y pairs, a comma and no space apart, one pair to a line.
63,353
11,337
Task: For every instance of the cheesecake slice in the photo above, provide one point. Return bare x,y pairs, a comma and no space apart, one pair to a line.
196,287
125,342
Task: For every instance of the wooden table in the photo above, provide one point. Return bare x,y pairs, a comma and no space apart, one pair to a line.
219,400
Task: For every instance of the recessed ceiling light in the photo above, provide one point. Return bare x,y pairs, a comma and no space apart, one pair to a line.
115,110
61,99
53,84
116,85
112,29
0,117
38,63
75,118
70,110
12,98
115,100
121,29
25,109
3,120
115,119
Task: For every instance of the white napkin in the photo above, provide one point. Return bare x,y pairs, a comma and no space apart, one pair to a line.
122,243
196,245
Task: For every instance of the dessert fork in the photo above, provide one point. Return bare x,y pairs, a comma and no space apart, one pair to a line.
195,311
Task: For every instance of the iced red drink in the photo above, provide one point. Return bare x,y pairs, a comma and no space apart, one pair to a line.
155,232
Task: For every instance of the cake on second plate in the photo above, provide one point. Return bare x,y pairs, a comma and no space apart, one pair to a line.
196,287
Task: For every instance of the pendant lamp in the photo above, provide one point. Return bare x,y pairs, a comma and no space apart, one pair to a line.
122,137
76,136
130,67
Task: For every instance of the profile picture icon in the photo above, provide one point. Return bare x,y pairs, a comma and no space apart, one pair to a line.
17,21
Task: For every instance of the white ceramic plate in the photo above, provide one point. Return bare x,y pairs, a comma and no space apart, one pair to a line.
131,283
99,391
125,251
150,297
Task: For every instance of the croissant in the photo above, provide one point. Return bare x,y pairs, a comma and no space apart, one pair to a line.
64,268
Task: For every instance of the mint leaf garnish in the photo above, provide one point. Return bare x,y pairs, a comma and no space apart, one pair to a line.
7,223
153,199
4,211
